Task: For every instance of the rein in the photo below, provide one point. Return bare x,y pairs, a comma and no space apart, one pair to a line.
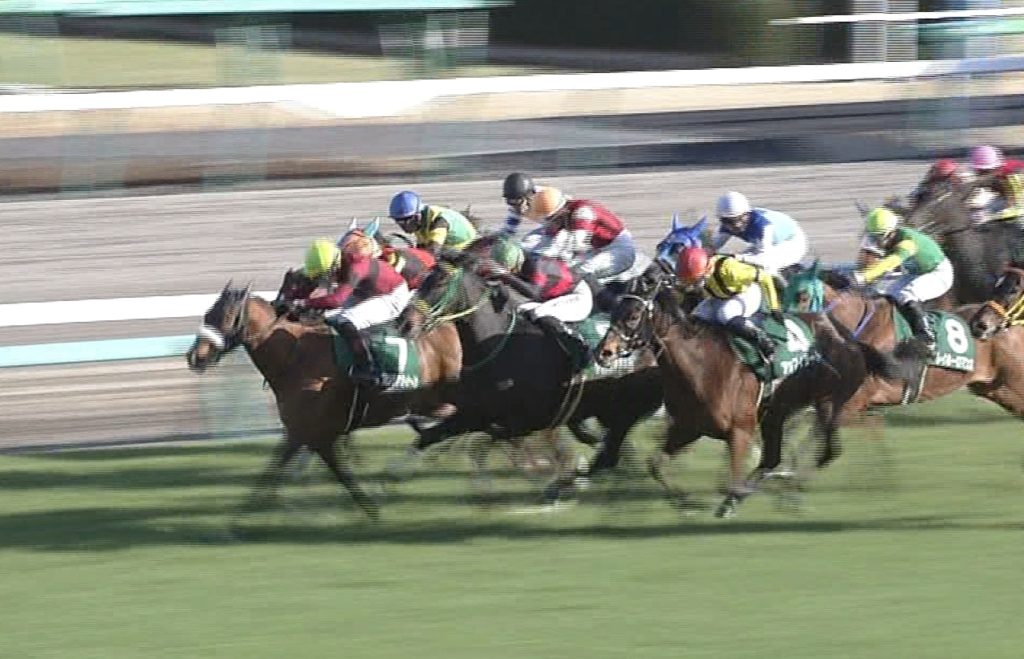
435,316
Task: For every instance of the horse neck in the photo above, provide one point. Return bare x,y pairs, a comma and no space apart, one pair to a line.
268,349
478,328
681,344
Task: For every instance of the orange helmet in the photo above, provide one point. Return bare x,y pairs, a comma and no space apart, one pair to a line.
692,264
360,246
546,203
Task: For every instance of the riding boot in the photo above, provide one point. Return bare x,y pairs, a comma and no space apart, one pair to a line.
746,328
920,325
556,329
364,369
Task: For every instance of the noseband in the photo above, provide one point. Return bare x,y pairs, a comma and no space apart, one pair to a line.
1014,313
235,336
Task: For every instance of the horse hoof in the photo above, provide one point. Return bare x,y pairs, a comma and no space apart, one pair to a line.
688,506
726,510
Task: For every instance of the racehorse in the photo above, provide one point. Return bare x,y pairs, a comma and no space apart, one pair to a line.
517,380
977,252
997,372
317,404
709,392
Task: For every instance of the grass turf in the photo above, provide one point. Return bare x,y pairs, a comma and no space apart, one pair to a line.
78,62
911,547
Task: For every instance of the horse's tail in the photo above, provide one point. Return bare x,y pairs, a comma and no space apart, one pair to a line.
882,364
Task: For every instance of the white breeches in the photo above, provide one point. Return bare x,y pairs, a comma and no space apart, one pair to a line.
919,288
375,311
572,307
783,255
720,312
612,259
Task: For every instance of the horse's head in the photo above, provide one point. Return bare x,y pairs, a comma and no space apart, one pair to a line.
940,208
679,237
223,328
805,291
451,291
630,328
1004,309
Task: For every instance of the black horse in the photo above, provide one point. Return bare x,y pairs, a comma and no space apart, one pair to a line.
516,379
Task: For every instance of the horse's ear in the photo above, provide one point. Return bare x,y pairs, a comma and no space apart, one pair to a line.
699,227
675,223
248,289
227,286
815,267
370,230
861,208
354,224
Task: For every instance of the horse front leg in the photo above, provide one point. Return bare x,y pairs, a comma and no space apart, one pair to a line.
677,437
739,486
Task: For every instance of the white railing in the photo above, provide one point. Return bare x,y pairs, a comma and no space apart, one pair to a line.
397,97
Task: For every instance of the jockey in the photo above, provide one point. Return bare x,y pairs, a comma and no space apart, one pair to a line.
995,173
367,292
434,226
945,169
776,240
413,264
732,294
558,293
929,274
581,233
518,191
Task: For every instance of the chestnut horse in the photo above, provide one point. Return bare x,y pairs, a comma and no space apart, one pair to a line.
317,404
998,372
709,392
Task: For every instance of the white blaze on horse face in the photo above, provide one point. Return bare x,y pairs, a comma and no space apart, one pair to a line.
213,335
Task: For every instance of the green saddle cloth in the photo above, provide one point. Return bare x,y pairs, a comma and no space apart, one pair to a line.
397,358
794,347
954,345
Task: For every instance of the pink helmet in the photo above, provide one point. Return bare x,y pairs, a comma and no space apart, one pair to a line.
986,157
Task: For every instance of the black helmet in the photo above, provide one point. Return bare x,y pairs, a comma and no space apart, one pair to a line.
517,186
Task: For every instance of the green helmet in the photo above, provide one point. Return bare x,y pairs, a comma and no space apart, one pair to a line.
508,254
881,221
322,257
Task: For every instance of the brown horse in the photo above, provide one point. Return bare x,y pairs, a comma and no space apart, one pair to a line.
317,403
998,372
709,392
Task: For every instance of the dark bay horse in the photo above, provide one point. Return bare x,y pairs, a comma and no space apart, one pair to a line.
709,392
317,404
978,252
998,372
517,380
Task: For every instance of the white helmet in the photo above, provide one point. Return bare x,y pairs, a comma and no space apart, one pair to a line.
732,204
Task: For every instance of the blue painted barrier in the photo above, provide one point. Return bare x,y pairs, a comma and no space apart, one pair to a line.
94,351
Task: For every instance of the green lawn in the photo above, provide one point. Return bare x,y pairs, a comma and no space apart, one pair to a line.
911,547
97,63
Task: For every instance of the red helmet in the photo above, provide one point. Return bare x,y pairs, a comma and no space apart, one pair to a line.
943,169
692,264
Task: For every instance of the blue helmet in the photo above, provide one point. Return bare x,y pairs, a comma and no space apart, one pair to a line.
405,204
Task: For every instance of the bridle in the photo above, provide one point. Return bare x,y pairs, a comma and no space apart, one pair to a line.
642,334
225,342
1013,312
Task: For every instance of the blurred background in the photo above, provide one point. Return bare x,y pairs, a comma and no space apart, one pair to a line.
152,149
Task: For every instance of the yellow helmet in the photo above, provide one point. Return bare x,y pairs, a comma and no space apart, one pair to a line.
322,257
546,203
881,221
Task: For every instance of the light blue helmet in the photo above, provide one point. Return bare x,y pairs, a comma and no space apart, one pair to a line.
405,205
